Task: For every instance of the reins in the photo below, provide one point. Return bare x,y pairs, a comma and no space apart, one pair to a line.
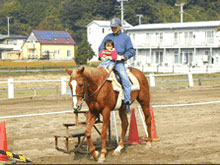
100,86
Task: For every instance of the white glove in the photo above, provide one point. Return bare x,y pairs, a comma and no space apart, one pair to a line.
119,58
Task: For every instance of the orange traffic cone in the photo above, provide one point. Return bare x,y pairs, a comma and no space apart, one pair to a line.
3,141
133,137
153,127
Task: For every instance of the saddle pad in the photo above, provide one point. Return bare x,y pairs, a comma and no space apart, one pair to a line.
118,88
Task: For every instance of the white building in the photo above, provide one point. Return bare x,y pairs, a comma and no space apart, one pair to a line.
10,46
96,31
165,47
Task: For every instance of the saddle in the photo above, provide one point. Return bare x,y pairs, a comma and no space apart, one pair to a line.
117,85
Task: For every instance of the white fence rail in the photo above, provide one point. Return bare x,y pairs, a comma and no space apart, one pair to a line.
11,83
153,82
63,84
209,68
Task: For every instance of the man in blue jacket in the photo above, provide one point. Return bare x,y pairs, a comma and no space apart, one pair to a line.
125,50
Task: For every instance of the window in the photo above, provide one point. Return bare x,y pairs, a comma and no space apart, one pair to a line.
69,53
176,57
32,53
207,56
186,57
209,36
176,38
148,38
103,30
207,52
46,52
188,36
159,57
159,37
56,51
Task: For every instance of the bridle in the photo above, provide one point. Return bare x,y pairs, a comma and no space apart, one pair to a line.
83,95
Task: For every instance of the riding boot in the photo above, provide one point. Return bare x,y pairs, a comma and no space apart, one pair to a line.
127,108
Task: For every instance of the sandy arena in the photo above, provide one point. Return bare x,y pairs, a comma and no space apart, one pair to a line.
189,134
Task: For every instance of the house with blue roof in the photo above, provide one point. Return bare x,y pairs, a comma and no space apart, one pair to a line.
50,45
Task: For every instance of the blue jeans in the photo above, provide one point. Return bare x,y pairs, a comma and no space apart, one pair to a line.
107,64
122,70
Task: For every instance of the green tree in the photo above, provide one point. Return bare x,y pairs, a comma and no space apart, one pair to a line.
84,52
74,15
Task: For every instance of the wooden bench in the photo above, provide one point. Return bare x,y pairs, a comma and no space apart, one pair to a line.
67,136
78,135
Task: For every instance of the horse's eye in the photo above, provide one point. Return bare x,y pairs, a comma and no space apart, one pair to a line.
80,85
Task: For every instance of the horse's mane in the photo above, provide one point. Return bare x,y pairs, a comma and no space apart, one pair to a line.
91,70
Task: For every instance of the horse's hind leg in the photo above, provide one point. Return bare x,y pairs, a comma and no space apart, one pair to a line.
144,100
124,125
91,118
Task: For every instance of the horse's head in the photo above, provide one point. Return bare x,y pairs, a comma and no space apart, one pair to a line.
77,86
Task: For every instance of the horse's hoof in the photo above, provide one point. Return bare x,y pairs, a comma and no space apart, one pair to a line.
148,145
101,158
117,151
95,155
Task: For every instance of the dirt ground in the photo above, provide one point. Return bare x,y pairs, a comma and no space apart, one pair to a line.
189,134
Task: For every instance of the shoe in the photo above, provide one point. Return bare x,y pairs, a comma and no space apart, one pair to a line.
127,108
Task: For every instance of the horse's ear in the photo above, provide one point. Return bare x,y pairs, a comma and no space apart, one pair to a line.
68,71
81,70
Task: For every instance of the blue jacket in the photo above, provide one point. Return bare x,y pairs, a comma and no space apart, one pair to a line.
122,44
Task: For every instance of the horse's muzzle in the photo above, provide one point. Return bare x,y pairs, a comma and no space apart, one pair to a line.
77,107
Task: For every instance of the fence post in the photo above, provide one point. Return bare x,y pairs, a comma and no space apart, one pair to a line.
10,88
152,80
63,85
191,84
35,91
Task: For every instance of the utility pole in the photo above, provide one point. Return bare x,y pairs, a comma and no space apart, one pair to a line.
122,10
181,11
8,18
140,16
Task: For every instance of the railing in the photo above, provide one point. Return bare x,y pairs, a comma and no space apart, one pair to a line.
11,83
165,80
153,82
33,69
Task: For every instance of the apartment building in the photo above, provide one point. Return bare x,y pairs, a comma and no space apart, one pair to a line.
166,45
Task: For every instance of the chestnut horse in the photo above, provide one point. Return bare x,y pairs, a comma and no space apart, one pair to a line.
88,83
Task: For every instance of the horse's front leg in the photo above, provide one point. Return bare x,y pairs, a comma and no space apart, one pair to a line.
106,120
124,126
91,118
